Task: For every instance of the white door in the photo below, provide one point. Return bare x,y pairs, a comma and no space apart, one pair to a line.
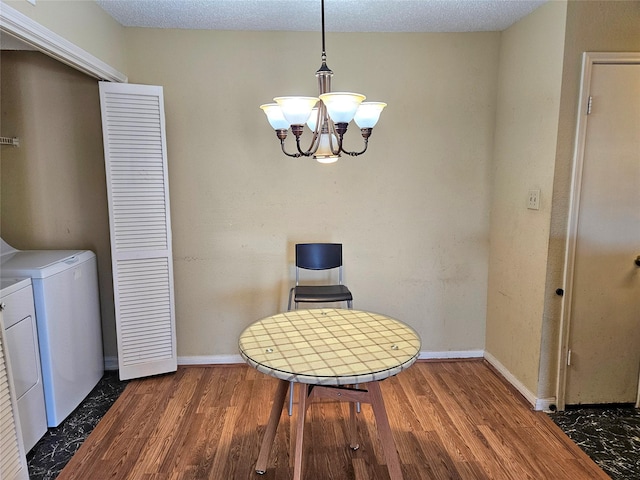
133,126
13,461
604,331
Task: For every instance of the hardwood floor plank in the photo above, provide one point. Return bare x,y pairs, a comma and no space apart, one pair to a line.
512,463
207,445
471,470
449,420
224,444
435,464
360,469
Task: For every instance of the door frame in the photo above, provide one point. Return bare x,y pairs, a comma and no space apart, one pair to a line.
50,43
589,59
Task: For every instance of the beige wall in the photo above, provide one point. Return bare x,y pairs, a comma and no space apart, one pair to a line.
525,146
53,193
81,22
412,213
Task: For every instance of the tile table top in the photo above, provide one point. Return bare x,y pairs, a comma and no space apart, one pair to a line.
329,346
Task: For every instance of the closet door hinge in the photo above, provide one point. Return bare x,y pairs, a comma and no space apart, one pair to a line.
589,103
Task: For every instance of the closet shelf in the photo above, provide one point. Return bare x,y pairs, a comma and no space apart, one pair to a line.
10,141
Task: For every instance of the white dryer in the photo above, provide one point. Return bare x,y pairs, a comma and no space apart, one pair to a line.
16,301
65,289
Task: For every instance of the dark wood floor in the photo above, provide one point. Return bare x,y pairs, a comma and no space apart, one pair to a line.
450,420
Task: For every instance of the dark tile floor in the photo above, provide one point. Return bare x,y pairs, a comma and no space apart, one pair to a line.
49,456
610,436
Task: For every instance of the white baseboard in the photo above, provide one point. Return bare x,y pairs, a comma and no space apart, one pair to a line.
211,360
544,404
451,355
111,363
536,403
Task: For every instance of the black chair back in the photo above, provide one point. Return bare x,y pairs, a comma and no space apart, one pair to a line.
318,256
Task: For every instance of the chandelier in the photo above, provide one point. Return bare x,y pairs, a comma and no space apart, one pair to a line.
327,116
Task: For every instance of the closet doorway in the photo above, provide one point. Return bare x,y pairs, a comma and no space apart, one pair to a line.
601,344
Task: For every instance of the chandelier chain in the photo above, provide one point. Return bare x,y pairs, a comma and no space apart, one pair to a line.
324,51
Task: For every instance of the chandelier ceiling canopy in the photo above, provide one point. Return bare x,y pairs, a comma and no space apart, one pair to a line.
327,116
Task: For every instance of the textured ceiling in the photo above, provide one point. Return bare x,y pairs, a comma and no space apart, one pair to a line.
340,15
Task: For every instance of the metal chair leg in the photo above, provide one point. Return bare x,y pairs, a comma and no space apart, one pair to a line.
290,298
290,409
290,398
350,305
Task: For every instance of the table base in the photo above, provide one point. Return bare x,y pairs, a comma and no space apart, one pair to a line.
307,393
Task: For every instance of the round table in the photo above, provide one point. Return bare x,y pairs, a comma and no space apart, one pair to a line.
329,350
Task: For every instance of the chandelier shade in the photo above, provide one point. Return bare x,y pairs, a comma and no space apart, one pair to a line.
368,114
275,117
342,106
296,110
313,119
327,116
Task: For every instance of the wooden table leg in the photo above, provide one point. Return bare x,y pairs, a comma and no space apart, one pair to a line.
384,431
272,425
302,411
373,396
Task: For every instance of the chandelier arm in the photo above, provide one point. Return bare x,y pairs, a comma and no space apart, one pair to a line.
292,155
366,133
355,154
281,133
302,153
333,132
297,132
313,147
315,139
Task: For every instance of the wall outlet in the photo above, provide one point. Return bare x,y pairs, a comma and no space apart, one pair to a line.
533,200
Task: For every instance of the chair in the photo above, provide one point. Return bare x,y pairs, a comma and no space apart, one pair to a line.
318,256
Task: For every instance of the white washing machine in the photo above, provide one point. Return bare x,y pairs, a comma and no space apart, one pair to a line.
16,300
67,305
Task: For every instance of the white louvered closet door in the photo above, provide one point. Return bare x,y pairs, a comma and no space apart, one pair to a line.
13,462
133,129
